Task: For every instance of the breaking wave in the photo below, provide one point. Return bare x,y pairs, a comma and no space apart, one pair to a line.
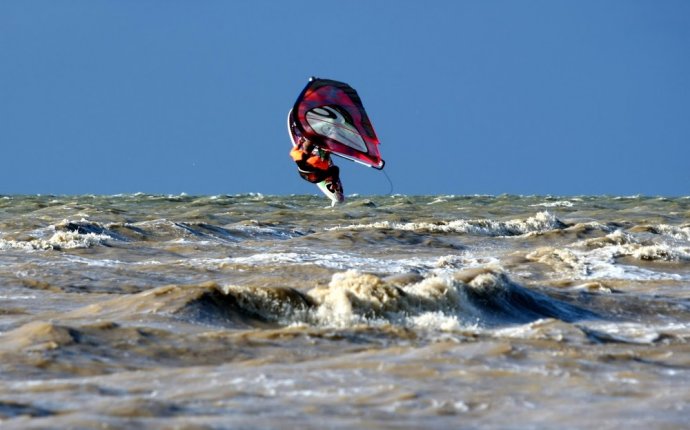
481,297
64,235
601,257
621,244
86,234
472,298
555,204
676,232
540,223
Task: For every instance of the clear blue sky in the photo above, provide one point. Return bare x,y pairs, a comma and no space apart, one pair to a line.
467,97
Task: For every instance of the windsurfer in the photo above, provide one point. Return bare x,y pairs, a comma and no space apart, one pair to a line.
328,119
314,164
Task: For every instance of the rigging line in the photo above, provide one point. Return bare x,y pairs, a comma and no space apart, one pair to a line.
390,192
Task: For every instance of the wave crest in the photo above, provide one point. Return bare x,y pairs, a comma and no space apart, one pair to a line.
542,222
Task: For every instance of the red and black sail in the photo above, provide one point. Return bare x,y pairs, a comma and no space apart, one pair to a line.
331,115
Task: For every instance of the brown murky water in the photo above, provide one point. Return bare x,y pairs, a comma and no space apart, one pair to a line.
253,311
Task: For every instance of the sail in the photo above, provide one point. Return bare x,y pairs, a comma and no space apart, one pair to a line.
331,115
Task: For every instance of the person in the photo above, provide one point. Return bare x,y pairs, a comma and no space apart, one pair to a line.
314,164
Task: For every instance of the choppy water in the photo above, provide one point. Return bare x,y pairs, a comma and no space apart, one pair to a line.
255,311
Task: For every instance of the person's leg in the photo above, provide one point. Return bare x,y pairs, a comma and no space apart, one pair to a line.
334,172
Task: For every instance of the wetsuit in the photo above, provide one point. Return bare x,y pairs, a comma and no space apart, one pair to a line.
313,164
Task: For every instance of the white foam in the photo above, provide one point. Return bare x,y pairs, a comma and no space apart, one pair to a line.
556,204
59,240
258,229
662,252
682,233
95,263
436,321
632,332
540,223
598,257
601,264
622,244
437,303
330,260
438,265
521,331
353,298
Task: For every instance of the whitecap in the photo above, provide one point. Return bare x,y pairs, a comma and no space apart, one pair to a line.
540,223
59,240
632,332
556,204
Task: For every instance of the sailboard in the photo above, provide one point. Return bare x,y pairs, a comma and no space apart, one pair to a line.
331,115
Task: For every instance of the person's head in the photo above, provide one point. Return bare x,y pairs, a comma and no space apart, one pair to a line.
306,144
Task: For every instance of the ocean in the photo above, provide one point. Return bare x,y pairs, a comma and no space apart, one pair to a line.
255,311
